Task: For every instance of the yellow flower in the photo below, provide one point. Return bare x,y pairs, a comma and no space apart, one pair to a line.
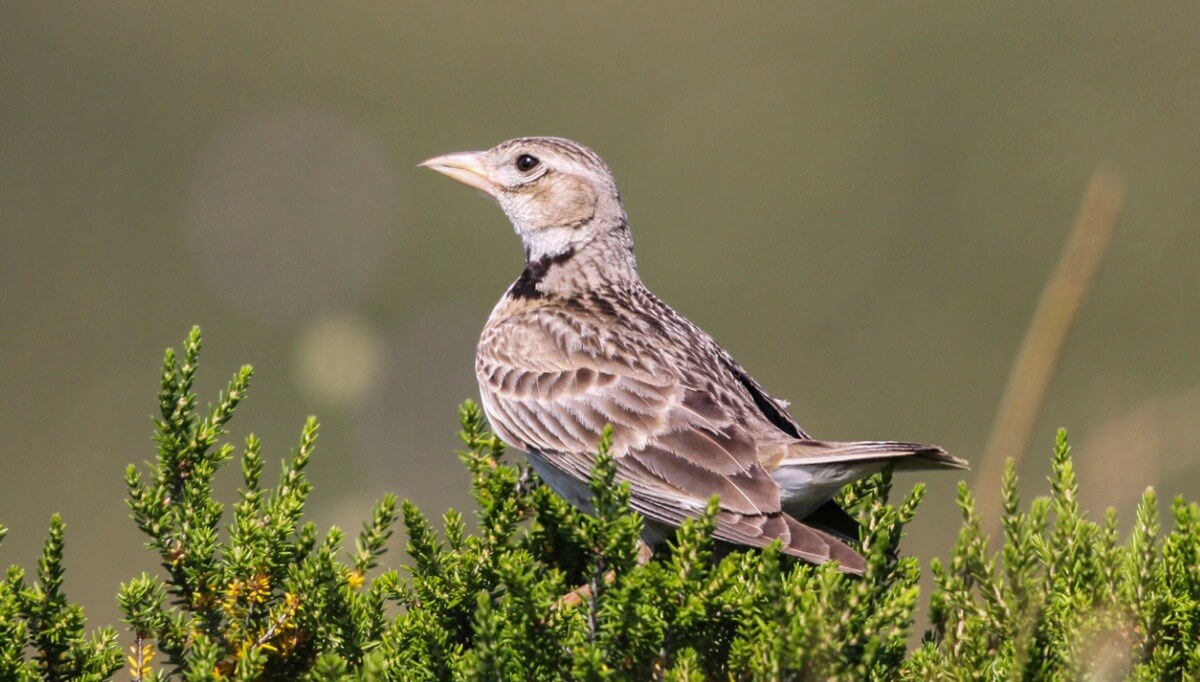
139,660
259,588
230,599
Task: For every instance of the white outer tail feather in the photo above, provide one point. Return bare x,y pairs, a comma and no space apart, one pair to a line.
814,471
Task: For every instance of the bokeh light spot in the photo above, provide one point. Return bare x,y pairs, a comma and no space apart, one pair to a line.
338,358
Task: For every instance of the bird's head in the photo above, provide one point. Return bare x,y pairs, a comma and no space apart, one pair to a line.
558,194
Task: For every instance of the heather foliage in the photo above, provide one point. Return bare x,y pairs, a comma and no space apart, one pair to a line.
250,591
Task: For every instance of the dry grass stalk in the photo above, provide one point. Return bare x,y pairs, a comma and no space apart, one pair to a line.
1042,346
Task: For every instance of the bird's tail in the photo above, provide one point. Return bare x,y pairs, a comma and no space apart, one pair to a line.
811,472
907,456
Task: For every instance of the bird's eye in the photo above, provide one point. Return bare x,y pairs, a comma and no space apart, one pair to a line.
526,163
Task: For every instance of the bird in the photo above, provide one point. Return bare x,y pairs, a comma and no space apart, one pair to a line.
578,344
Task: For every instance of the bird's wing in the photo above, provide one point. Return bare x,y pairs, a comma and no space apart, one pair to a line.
769,409
551,381
659,500
675,438
678,438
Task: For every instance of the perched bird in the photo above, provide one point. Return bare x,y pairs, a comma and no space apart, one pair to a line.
578,342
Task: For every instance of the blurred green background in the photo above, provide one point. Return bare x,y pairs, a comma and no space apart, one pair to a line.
862,203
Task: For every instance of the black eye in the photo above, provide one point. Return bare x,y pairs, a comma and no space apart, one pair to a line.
526,163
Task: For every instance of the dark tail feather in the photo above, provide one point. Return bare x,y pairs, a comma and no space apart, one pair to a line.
799,540
849,561
834,520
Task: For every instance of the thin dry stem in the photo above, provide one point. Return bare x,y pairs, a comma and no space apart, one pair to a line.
1042,346
587,592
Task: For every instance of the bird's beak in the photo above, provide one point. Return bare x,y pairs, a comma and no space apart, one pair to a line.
466,167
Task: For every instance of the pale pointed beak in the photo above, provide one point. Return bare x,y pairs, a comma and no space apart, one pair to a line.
466,167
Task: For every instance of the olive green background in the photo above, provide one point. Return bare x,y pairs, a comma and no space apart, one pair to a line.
861,202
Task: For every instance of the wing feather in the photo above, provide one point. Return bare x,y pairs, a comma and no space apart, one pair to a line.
678,439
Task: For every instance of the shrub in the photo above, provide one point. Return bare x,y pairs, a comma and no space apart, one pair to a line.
261,595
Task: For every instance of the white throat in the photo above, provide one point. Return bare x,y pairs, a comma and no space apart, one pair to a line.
549,242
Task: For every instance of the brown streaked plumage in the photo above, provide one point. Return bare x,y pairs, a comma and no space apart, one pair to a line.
578,342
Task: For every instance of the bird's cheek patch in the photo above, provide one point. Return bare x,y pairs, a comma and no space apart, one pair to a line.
566,202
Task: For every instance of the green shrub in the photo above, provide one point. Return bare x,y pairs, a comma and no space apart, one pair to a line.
259,594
